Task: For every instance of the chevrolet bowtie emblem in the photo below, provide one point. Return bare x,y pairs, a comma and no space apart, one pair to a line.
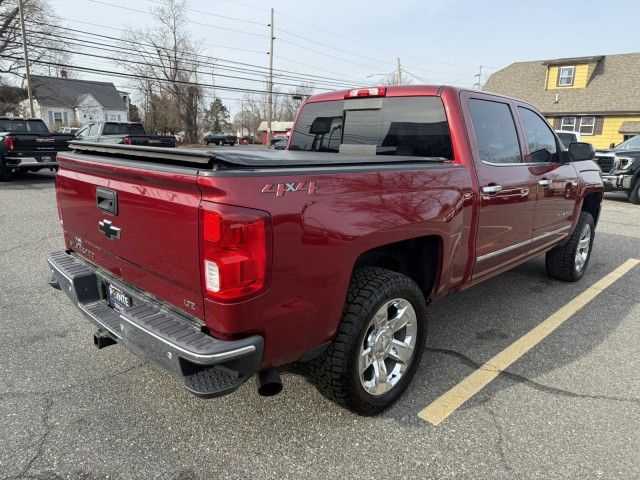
111,232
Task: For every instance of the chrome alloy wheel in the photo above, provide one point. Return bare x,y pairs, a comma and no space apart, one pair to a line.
584,244
388,346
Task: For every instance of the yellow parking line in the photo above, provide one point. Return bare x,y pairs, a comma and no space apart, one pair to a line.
450,401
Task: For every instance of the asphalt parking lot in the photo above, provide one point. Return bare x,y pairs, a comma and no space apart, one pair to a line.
568,408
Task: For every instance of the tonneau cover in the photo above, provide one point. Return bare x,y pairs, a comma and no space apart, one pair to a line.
233,156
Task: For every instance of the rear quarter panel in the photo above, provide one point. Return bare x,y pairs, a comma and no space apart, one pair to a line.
317,238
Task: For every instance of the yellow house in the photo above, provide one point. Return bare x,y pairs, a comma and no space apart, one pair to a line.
597,96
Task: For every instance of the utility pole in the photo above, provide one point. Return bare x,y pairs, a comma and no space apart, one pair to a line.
399,76
26,57
270,86
213,77
479,82
242,118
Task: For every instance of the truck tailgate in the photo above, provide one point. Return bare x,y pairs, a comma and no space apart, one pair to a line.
148,234
40,142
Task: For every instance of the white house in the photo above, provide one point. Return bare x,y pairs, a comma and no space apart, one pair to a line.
61,101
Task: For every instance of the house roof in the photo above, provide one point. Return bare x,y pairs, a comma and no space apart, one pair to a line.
630,127
613,85
69,92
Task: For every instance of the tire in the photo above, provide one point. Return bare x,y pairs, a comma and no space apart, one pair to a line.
634,194
568,262
232,144
337,372
5,172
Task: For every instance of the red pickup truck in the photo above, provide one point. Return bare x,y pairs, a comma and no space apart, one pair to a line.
217,265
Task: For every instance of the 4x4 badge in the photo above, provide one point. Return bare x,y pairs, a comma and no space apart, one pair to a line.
281,188
111,232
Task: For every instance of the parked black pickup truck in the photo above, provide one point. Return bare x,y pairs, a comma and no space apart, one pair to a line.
126,133
26,144
621,168
219,138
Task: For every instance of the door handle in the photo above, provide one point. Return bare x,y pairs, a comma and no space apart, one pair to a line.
545,182
492,189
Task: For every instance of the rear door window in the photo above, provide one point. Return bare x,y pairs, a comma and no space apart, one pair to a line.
407,126
495,131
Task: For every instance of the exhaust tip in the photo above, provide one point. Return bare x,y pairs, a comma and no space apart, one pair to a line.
269,383
102,339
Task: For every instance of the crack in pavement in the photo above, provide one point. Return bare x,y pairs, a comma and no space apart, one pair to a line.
500,440
46,421
528,382
40,445
70,387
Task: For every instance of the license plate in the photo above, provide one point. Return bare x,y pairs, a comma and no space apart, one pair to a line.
117,298
45,159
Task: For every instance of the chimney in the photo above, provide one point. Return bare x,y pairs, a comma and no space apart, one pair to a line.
63,73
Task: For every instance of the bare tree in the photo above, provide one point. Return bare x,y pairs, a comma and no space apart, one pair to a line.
392,79
167,70
46,41
285,108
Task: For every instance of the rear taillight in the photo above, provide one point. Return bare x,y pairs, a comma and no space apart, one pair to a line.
366,92
127,141
235,251
9,143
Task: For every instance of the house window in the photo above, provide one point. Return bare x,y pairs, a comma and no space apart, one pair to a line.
566,76
587,125
568,124
57,119
111,118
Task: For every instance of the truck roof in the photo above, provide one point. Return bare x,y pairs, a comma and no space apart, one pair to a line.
399,91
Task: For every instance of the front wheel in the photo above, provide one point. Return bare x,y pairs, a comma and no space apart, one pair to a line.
568,262
378,345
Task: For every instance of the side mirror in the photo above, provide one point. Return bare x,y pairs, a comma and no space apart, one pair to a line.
579,151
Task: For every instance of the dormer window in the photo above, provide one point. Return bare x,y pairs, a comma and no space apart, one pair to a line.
566,76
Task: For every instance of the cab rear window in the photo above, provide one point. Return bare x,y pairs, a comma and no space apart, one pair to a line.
23,126
123,129
407,126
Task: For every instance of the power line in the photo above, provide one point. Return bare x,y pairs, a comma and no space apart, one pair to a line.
235,77
202,12
305,76
130,9
147,77
331,83
285,41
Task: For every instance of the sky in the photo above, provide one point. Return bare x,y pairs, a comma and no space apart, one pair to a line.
353,43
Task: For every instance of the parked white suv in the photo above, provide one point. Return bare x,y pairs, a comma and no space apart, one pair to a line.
567,137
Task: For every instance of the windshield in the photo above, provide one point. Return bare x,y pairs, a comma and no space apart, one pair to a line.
23,126
566,138
123,129
632,144
408,126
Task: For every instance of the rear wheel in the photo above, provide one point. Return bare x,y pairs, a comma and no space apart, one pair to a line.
568,262
378,345
634,194
5,172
